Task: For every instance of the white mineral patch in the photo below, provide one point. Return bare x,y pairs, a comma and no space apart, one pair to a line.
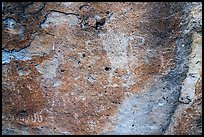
65,133
197,14
57,83
23,54
40,46
66,4
14,28
48,68
17,55
195,68
139,115
2,7
6,57
188,95
56,18
10,23
22,72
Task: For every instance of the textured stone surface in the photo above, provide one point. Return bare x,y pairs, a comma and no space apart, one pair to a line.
101,68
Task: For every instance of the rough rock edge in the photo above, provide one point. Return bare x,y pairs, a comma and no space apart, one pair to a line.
193,24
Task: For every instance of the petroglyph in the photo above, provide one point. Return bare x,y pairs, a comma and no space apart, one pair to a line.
116,44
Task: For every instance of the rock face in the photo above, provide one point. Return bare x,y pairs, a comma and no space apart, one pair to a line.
101,68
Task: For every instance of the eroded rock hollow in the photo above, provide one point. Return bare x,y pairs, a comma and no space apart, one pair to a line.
82,68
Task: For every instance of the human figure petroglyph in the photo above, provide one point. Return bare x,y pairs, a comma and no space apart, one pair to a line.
117,46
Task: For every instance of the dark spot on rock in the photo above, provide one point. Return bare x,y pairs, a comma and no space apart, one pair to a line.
116,102
165,98
83,55
107,68
133,125
99,24
22,112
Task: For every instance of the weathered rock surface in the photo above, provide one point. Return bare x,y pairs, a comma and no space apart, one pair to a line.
101,68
